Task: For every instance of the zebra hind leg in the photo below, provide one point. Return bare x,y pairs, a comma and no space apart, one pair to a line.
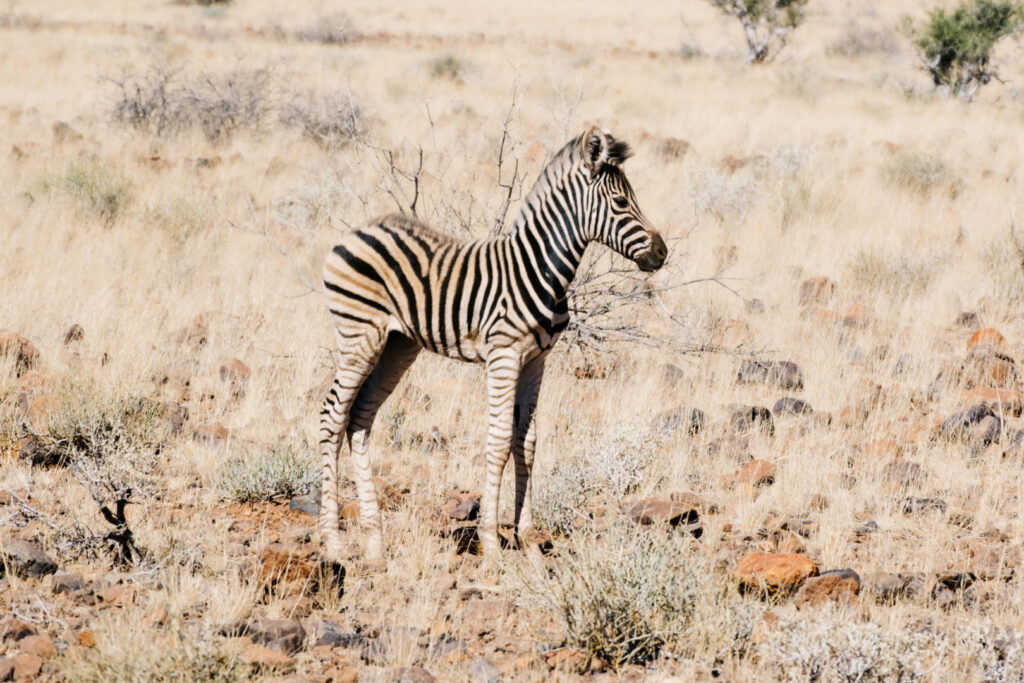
399,353
357,361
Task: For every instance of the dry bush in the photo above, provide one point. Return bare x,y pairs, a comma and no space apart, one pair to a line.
279,472
858,40
132,653
874,270
181,217
333,30
621,596
160,100
97,190
601,467
924,174
331,121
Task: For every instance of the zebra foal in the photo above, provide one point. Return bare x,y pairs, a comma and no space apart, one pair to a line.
395,287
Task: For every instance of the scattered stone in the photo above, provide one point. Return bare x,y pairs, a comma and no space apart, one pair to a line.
266,659
959,426
464,509
782,374
210,434
6,663
15,629
904,473
73,334
988,336
754,306
731,334
789,405
985,365
236,374
27,666
38,645
817,290
590,372
19,351
866,529
886,587
66,583
565,659
1001,401
756,473
380,651
156,618
836,585
410,674
671,148
969,319
773,572
484,671
911,506
989,430
283,635
693,419
883,449
63,132
857,316
662,511
333,639
308,503
87,639
743,419
25,559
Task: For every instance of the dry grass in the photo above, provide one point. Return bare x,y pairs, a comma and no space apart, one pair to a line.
160,230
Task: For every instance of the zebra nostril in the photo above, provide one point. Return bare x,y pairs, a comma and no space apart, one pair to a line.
658,247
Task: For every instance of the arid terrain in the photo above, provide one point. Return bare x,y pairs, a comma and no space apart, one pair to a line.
793,453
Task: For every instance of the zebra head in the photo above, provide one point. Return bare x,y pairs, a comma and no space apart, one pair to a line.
612,215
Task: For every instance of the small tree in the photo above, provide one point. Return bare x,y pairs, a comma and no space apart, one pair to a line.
766,23
955,46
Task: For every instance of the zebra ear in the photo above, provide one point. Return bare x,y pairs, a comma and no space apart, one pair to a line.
594,148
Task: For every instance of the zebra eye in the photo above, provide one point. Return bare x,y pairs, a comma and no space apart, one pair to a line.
621,202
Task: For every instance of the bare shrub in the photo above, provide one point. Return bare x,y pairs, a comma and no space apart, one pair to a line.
620,597
331,121
97,190
280,472
335,30
160,100
611,467
922,173
766,23
830,646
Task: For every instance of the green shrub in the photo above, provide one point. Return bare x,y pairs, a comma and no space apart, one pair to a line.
922,173
96,190
447,66
955,46
281,472
766,23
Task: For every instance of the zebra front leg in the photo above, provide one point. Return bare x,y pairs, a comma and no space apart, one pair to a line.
524,442
502,377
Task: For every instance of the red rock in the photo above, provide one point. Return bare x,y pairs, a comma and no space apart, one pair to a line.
756,473
213,434
16,629
857,315
731,334
840,586
265,659
989,336
38,645
27,666
87,638
885,449
236,374
661,511
1000,400
817,290
40,409
19,351
774,572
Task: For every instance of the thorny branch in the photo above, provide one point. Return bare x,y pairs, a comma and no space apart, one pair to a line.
516,182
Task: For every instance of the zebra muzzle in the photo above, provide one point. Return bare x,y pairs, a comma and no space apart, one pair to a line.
654,257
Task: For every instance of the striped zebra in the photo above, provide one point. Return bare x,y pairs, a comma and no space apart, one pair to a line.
395,287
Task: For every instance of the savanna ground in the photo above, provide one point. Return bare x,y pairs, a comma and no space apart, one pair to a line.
171,176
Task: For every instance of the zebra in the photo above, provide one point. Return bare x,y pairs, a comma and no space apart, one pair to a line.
395,287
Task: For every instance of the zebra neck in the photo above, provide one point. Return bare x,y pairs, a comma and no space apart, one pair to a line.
549,236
